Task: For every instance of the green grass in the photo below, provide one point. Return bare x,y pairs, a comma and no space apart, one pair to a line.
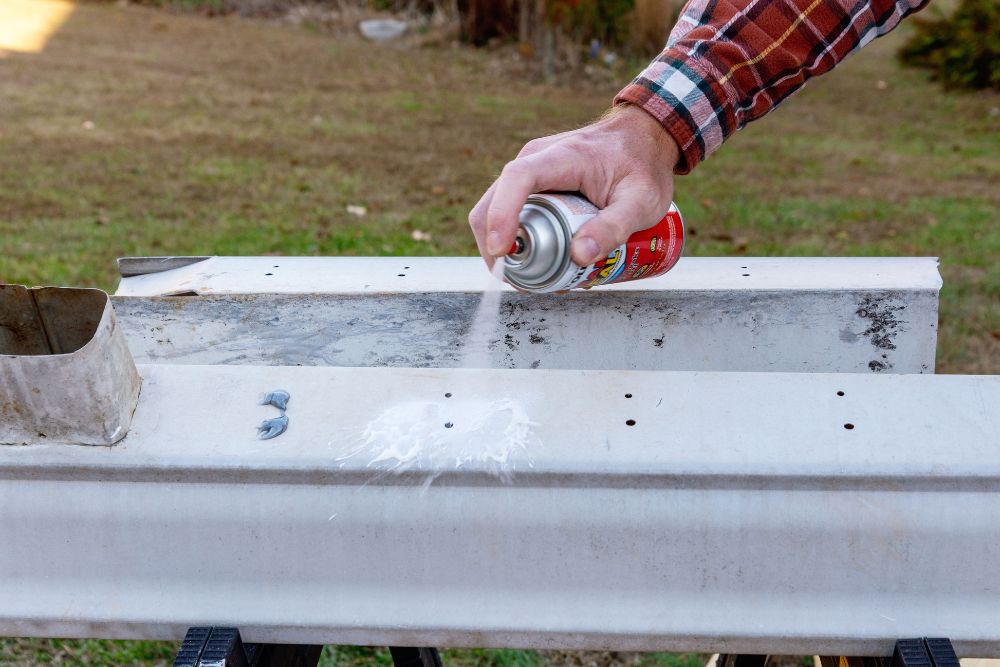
226,136
96,652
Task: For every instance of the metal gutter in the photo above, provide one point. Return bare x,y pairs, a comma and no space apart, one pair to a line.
858,315
737,514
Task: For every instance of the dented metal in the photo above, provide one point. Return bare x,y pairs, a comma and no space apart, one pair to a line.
66,374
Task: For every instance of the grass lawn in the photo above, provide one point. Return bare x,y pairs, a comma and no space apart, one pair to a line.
139,132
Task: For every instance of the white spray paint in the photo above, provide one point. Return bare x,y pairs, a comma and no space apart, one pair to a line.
437,436
476,350
459,428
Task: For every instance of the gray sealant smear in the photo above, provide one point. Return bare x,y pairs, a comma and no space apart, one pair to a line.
457,430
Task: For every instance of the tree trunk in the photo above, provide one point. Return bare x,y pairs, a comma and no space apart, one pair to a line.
548,51
524,22
482,20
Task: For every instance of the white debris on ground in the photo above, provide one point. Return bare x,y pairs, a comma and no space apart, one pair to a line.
381,30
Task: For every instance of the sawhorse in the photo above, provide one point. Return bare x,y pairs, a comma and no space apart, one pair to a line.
223,647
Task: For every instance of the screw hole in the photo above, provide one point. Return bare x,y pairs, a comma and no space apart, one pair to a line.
849,426
447,394
840,393
268,274
401,274
744,267
448,424
630,422
275,266
746,275
406,267
628,395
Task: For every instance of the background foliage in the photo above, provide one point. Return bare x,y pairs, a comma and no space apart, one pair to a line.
962,50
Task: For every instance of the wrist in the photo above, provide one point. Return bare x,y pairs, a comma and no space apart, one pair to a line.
637,121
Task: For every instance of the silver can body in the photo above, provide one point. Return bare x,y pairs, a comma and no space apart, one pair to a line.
540,261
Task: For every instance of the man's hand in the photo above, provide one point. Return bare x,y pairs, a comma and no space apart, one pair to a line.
622,163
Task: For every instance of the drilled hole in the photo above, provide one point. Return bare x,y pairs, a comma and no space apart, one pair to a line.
630,422
840,393
447,394
406,267
401,274
849,426
628,395
746,275
744,267
448,424
275,266
268,274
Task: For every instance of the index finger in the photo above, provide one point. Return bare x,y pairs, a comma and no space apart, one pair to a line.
477,221
548,169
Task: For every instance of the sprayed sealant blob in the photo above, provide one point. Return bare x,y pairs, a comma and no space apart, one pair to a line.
436,437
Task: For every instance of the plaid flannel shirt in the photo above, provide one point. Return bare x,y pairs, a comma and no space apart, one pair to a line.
729,62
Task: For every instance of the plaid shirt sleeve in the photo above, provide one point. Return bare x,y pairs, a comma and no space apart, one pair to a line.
729,62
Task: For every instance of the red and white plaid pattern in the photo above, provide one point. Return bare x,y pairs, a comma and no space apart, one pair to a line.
729,62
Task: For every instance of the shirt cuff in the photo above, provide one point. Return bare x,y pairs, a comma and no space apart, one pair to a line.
690,106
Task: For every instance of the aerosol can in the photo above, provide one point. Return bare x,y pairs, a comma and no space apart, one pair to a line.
539,260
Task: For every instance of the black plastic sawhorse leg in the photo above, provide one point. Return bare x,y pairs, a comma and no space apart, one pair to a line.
223,647
210,646
415,657
920,652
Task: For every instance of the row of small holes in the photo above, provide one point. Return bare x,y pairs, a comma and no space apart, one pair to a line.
848,425
402,275
271,274
631,422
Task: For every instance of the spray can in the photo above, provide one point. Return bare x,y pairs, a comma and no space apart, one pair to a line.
539,259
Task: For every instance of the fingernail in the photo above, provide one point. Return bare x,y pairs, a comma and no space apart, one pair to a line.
586,249
494,245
